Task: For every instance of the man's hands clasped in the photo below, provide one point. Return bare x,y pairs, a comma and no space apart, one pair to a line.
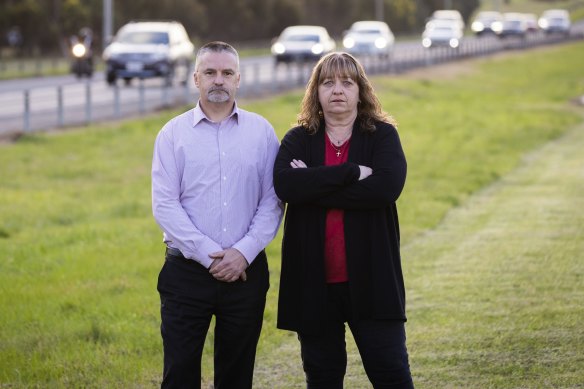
228,265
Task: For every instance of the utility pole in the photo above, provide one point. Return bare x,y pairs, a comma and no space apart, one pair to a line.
496,5
379,15
107,22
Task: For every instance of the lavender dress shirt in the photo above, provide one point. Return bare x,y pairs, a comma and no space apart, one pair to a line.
212,184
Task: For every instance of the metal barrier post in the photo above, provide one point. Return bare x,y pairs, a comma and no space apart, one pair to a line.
26,110
60,115
257,78
88,101
117,109
165,89
141,104
187,93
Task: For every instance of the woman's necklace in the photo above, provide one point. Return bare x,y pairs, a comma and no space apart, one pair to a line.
338,144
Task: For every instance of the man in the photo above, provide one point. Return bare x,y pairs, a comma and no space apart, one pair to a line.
212,195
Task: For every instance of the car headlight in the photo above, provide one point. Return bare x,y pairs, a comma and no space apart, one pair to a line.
317,49
278,48
477,26
426,42
497,27
380,43
349,42
543,23
454,43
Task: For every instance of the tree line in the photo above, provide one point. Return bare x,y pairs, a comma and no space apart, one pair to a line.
43,26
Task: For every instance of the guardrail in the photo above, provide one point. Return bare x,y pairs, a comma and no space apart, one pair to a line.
78,103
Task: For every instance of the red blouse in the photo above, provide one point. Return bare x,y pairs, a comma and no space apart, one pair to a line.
335,257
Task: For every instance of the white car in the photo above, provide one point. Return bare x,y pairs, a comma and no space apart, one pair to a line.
369,38
514,24
149,49
555,20
487,22
442,33
449,15
302,43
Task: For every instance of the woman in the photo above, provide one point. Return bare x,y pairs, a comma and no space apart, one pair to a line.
341,171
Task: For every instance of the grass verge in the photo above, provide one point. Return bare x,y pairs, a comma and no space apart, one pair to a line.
79,251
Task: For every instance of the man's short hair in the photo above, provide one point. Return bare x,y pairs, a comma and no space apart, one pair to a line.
216,47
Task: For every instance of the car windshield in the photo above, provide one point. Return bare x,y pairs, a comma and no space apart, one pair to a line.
144,37
513,23
301,38
368,31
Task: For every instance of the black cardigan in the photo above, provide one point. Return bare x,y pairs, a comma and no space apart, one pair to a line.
371,225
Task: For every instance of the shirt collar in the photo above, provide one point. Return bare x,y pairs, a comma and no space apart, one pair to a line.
199,115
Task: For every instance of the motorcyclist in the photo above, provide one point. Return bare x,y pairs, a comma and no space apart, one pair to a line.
82,51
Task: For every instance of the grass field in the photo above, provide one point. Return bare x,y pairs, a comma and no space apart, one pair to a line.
493,235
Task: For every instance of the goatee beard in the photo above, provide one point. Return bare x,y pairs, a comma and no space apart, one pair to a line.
218,96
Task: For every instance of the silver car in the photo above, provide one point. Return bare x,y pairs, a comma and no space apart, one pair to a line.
302,43
149,49
555,21
442,33
487,22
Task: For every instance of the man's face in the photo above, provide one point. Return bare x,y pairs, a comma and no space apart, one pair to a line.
217,77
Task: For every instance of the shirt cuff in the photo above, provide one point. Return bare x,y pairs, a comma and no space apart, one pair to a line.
249,248
201,255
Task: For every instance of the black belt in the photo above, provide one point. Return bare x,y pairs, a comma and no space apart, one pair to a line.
174,255
174,252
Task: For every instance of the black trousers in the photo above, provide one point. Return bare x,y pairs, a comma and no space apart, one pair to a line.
381,343
189,297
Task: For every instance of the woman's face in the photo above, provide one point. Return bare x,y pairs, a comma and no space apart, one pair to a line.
338,96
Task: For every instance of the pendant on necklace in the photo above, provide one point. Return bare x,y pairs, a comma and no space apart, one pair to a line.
338,153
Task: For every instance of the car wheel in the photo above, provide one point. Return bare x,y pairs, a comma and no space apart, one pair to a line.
127,81
111,78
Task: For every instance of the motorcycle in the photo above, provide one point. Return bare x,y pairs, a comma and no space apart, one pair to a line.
82,54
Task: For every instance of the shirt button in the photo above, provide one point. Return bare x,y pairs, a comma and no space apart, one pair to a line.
225,204
225,229
224,178
223,153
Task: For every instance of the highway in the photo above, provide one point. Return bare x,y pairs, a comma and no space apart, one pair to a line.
43,103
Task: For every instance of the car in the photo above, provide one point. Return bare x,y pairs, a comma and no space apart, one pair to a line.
451,15
302,43
148,49
555,21
442,33
514,24
369,38
487,22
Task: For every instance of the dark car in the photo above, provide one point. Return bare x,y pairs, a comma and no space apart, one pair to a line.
149,49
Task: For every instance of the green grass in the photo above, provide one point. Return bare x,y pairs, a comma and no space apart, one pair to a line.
534,6
80,252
